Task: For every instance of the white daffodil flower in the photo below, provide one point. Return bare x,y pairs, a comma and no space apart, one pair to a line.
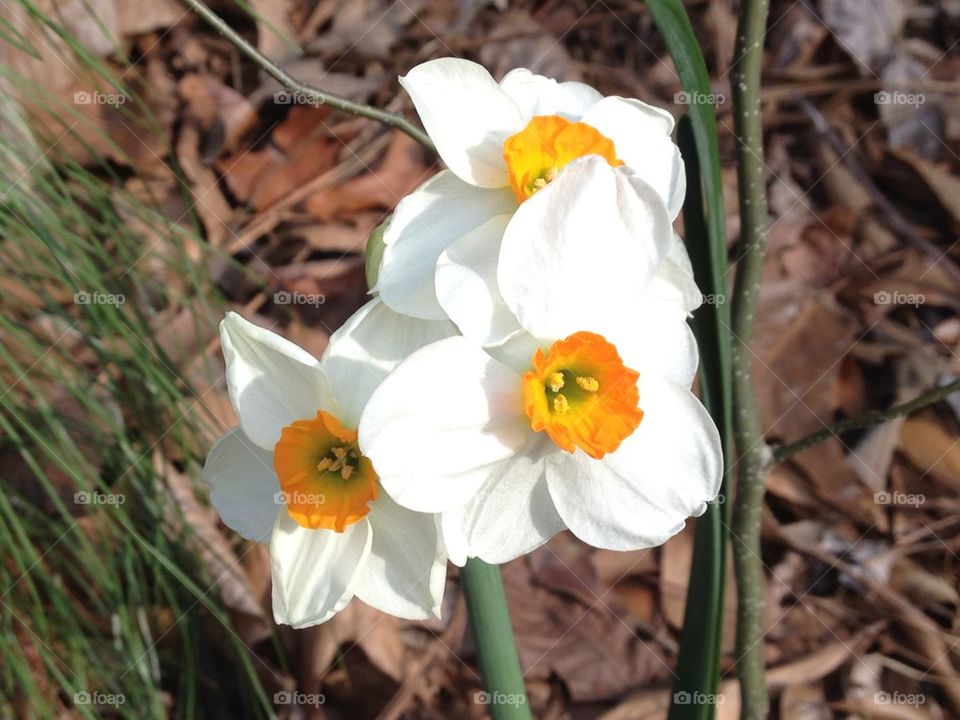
585,420
509,145
291,474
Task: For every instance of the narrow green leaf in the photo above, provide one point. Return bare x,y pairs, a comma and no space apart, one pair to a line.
700,640
697,669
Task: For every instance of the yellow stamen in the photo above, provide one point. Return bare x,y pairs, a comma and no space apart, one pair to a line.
326,482
561,405
588,383
582,417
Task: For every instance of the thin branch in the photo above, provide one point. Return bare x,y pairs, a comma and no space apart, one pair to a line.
866,420
310,93
748,433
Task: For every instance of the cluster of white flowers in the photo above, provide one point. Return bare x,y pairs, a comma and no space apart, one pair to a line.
524,367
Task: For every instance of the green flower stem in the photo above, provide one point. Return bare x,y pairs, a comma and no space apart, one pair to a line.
313,94
748,433
493,637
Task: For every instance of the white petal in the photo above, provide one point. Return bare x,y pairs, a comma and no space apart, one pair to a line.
511,515
642,494
367,347
405,572
656,336
243,485
315,571
525,89
517,351
440,421
539,95
674,282
661,343
641,135
581,249
271,381
652,333
571,99
466,283
467,116
425,223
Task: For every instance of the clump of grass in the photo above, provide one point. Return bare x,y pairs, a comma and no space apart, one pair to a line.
104,594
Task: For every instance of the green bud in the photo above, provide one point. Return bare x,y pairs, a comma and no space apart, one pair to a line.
375,249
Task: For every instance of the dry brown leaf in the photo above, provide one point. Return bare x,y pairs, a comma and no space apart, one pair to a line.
654,704
218,555
872,456
338,237
830,472
244,171
787,484
824,661
944,184
922,586
801,340
870,709
276,35
539,50
352,29
866,32
612,566
212,208
303,149
379,636
676,556
306,160
302,123
221,111
804,702
400,172
932,449
592,648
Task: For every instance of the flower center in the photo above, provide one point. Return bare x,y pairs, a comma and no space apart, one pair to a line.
536,154
325,481
582,395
